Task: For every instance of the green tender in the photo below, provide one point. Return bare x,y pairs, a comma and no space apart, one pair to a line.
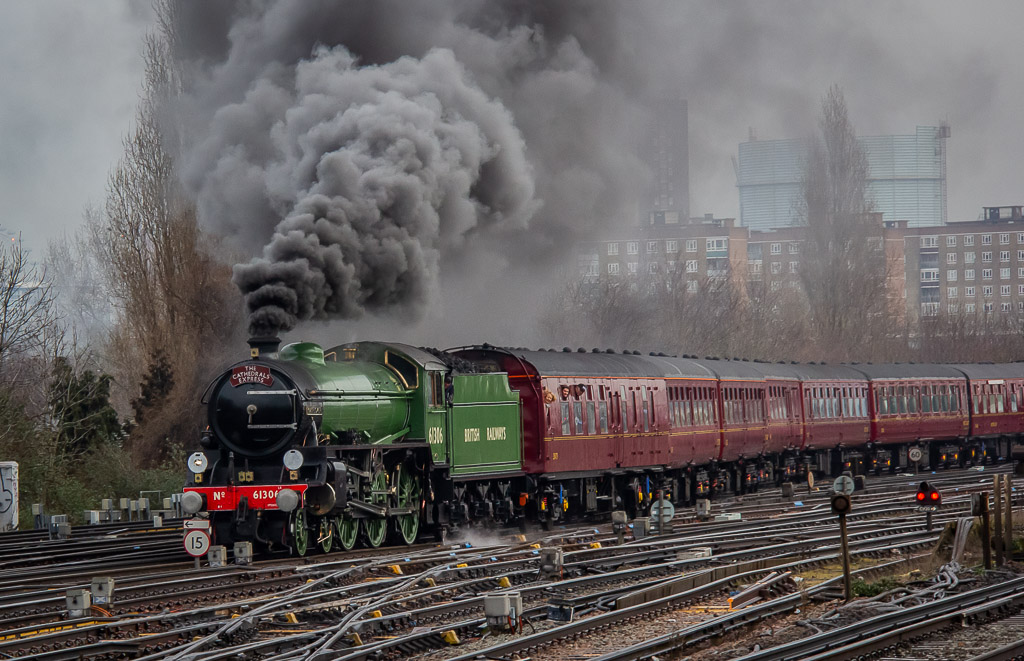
485,433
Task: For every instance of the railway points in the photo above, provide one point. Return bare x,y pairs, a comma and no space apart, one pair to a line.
427,601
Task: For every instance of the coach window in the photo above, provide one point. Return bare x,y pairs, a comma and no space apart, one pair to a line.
926,399
602,411
591,417
566,430
1013,400
997,399
623,409
577,410
912,402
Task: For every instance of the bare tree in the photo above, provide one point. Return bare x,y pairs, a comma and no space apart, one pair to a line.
30,325
845,270
172,295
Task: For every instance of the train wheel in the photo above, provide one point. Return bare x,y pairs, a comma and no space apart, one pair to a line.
300,534
376,529
347,530
408,493
326,536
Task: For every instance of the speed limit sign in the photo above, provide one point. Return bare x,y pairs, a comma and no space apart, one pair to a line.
915,454
197,543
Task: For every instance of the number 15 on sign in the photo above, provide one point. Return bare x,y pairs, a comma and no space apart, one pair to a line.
197,543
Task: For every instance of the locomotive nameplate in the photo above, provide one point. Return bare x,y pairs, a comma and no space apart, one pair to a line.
251,374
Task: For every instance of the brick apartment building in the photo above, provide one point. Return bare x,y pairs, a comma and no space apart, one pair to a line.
962,268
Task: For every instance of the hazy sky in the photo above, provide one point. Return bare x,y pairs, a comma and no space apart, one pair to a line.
71,73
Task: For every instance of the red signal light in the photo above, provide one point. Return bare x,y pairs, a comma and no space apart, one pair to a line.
935,495
920,496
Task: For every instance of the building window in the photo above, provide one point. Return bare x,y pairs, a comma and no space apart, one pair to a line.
613,249
652,246
1004,255
632,247
794,248
951,258
969,274
953,308
986,291
776,285
691,245
1004,290
929,242
929,275
670,266
951,275
1004,239
951,241
986,274
969,257
776,249
613,269
1004,274
593,269
776,267
986,239
1004,307
691,266
652,268
671,246
969,308
951,292
1020,238
631,268
691,286
986,257
793,267
1020,289
969,292
717,244
987,307
1020,306
969,240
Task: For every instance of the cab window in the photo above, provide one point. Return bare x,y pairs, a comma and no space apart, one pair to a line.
436,385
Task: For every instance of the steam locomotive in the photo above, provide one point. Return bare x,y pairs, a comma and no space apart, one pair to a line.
375,442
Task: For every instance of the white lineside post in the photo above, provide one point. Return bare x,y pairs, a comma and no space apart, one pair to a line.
8,495
1008,528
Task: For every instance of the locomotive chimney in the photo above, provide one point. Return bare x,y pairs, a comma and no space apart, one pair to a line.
263,345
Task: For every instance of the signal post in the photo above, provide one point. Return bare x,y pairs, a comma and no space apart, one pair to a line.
928,500
841,505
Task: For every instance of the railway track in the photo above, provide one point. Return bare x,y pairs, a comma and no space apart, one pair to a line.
406,602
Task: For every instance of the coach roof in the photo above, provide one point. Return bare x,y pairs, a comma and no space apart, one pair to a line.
909,371
569,363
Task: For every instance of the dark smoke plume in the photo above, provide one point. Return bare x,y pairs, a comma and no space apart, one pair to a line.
382,168
362,146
